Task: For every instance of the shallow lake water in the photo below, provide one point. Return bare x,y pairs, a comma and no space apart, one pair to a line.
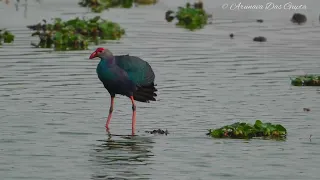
53,107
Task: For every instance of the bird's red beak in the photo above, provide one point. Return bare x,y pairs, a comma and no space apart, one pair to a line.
93,55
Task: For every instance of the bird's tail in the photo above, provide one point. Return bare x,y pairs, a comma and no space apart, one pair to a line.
145,93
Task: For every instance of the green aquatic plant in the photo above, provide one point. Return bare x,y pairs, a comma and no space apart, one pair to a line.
6,36
98,6
189,17
75,34
306,80
61,40
247,131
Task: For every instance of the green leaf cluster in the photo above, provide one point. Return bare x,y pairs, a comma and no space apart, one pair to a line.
189,17
98,6
306,80
247,131
6,36
75,34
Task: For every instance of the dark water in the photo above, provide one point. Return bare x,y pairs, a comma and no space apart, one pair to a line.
53,107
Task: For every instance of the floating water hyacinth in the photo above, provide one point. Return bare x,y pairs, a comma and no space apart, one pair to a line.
306,80
189,17
98,6
75,34
247,131
6,36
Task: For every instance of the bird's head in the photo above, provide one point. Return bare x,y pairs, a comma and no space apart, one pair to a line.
101,53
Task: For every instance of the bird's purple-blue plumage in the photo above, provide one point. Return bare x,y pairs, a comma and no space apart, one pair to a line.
127,75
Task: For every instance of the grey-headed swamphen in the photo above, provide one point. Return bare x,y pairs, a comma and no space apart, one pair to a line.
125,75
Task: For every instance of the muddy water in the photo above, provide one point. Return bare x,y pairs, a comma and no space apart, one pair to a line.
53,107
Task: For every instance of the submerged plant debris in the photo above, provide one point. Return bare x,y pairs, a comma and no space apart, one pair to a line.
306,109
75,34
260,39
247,131
98,6
306,80
191,17
158,131
6,36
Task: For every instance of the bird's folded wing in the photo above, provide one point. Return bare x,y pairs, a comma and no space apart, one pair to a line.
139,71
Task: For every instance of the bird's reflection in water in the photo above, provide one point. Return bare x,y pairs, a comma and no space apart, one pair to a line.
122,157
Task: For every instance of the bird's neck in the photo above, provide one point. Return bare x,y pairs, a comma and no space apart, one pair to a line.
109,60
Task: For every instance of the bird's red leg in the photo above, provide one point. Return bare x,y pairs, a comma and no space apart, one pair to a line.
133,115
110,112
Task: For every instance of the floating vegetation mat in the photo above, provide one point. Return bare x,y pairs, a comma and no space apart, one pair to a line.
306,80
6,36
75,34
189,17
247,131
98,6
